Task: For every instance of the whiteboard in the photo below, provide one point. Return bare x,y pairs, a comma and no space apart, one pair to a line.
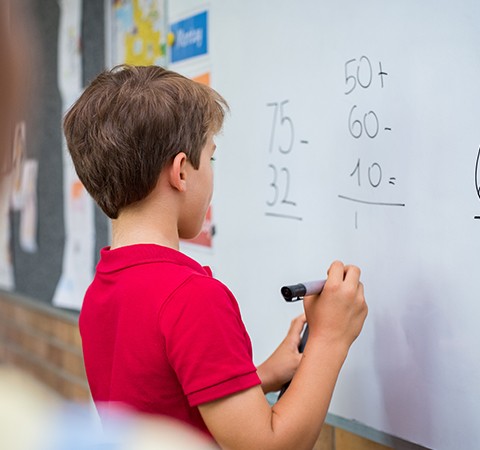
354,134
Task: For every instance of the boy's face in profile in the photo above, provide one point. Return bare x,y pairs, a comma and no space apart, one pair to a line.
199,194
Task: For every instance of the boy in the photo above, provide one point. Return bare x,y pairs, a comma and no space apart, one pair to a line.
159,333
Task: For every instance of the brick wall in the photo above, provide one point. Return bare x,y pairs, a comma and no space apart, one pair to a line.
332,438
45,342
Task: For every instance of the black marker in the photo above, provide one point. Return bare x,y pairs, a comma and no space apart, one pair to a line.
300,290
294,293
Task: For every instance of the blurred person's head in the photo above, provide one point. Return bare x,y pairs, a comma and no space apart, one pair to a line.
13,75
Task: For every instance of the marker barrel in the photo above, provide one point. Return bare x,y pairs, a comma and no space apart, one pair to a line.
298,291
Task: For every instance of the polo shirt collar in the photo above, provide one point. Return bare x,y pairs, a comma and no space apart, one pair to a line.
133,255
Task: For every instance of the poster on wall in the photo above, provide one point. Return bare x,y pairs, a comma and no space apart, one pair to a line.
190,37
18,193
137,32
11,198
24,189
6,264
78,257
26,204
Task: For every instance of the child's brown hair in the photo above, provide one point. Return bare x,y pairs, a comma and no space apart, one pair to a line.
130,122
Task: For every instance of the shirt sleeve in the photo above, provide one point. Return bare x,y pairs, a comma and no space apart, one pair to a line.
206,341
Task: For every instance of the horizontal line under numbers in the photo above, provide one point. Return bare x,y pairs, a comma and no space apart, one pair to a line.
283,216
357,200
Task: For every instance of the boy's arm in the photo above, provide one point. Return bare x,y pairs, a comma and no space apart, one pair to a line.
245,420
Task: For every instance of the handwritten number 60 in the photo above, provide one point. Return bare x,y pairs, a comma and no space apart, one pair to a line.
370,124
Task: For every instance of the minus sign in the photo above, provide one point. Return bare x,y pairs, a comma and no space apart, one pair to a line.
388,129
303,142
476,217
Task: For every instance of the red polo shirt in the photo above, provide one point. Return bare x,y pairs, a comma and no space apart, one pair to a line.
161,335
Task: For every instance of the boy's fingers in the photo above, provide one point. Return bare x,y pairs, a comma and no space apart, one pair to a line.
360,288
297,325
352,274
336,271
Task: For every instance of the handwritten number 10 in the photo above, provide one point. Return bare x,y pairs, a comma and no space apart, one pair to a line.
374,174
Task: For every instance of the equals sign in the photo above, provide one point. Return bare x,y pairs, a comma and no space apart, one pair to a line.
392,180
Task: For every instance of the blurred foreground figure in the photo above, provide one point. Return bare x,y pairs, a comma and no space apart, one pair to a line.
33,418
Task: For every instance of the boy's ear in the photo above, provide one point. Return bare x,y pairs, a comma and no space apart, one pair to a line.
177,173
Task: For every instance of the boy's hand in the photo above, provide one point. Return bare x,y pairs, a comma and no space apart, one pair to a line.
338,313
335,317
282,364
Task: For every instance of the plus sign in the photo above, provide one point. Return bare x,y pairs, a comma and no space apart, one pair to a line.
381,73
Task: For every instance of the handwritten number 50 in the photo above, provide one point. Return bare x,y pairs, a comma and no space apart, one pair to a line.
363,76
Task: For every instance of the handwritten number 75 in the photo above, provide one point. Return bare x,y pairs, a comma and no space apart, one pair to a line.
286,124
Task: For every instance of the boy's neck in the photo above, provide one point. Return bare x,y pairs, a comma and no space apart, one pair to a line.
141,227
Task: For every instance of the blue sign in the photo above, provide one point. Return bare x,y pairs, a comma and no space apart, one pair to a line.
190,37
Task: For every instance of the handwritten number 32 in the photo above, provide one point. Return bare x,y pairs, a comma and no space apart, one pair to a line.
276,189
